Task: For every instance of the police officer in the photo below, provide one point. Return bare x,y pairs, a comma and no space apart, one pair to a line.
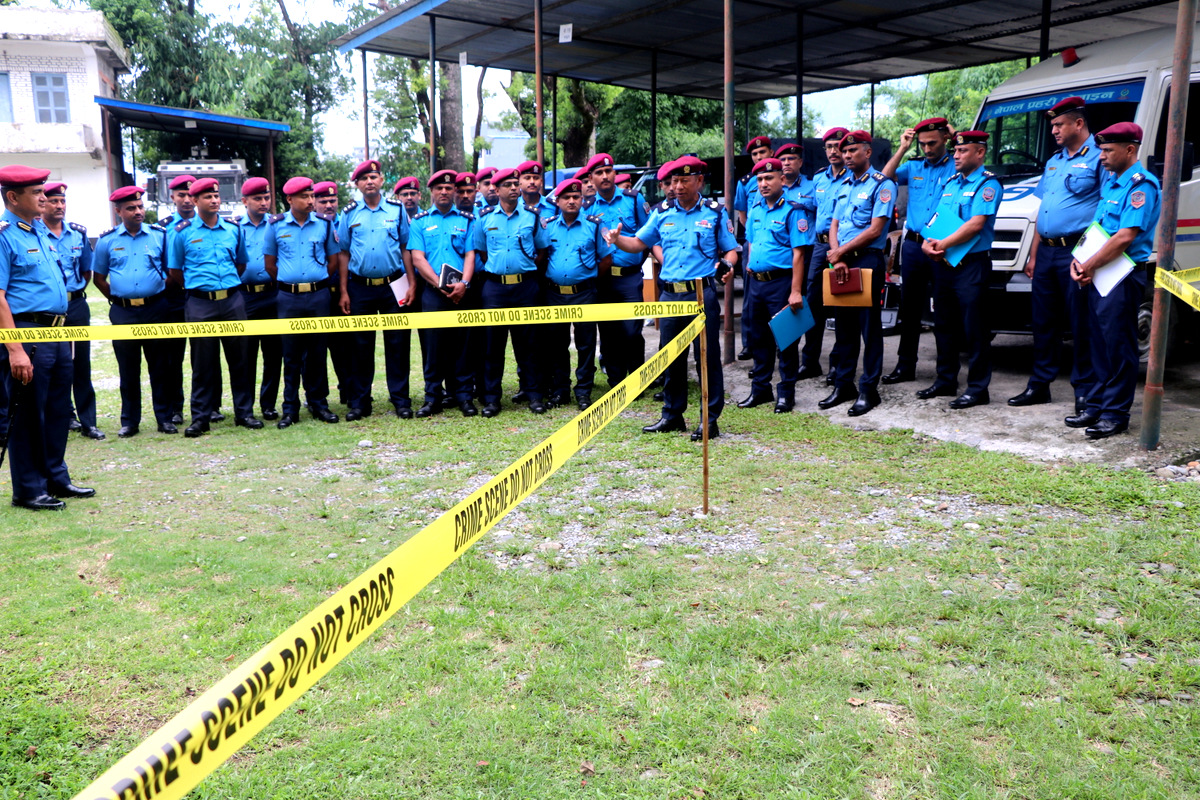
340,344
33,295
796,185
825,192
510,237
697,246
486,195
533,182
971,197
325,198
408,191
208,254
131,271
1069,191
857,234
261,294
466,189
577,255
746,190
924,175
374,235
624,181
780,236
1128,212
622,346
75,257
443,237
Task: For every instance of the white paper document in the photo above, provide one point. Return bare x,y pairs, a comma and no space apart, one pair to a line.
400,288
1106,277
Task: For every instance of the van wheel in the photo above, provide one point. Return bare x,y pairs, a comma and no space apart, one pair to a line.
1144,325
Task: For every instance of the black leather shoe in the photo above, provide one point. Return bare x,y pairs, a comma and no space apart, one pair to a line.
537,406
837,397
1084,419
658,396
755,400
128,431
899,375
42,502
713,432
937,390
1080,405
829,378
427,409
195,429
403,412
92,432
74,425
666,425
1106,428
491,410
520,397
217,416
969,400
177,418
270,414
560,398
468,408
253,423
72,491
784,405
867,400
353,414
286,421
584,402
164,427
323,414
809,372
744,354
1031,396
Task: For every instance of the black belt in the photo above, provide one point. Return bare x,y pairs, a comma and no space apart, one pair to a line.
574,288
1141,265
220,294
386,279
42,318
913,236
1069,240
76,295
681,287
859,253
621,272
510,280
305,288
984,254
134,302
257,288
769,275
822,238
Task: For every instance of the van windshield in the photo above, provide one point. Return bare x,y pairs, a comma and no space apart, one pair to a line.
1020,140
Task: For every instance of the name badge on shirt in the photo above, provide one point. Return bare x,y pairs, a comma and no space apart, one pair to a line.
434,228
863,196
703,223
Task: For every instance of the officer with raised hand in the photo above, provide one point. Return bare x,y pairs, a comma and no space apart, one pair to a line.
1128,211
444,237
261,294
780,237
698,247
825,192
924,175
972,197
510,238
486,194
374,235
408,191
38,378
75,257
578,254
131,271
533,183
208,255
622,346
1069,191
746,191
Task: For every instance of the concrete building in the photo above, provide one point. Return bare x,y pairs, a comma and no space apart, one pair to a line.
508,148
53,63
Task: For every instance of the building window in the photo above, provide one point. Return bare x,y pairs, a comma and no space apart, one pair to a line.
6,114
50,97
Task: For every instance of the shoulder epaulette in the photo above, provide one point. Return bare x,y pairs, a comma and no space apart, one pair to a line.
879,176
746,178
595,218
486,210
391,201
326,217
420,214
183,223
663,206
917,158
629,193
1084,151
1136,179
76,226
466,214
711,203
352,205
547,220
987,174
588,202
154,226
533,209
3,226
795,205
236,219
25,227
107,232
275,218
169,219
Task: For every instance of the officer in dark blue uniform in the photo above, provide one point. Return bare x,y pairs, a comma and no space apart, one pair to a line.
779,232
698,247
825,192
75,257
857,234
373,236
32,295
578,255
260,294
510,238
1128,211
972,197
208,254
924,175
1069,191
444,237
131,271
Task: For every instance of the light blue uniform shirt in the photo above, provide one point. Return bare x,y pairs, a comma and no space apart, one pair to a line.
1131,200
301,251
924,182
746,195
773,231
803,191
74,254
626,208
443,238
861,200
30,275
135,263
973,195
1069,190
575,249
207,255
691,240
825,192
374,238
255,236
511,241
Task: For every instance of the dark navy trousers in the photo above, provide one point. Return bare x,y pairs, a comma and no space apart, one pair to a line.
766,299
1112,322
524,337
396,345
810,354
958,294
558,356
84,408
1058,304
304,353
206,359
39,413
622,345
855,323
916,272
129,355
448,366
262,305
675,390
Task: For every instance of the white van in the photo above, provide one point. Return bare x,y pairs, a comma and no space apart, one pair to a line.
1123,79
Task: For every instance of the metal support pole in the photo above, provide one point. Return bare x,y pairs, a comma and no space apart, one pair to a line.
539,111
1168,219
745,122
271,169
703,385
432,94
800,76
872,109
653,108
1044,46
366,112
727,356
554,125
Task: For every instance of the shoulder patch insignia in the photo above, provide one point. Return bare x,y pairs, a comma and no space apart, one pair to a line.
1137,199
989,194
885,195
350,207
729,225
275,218
802,223
78,227
183,223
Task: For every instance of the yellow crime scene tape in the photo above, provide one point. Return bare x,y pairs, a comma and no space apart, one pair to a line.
176,757
1180,285
597,312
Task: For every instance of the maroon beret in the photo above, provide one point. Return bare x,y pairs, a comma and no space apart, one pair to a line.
1065,107
16,176
502,175
1121,133
792,149
325,189
465,179
595,162
55,189
767,165
932,124
442,176
622,178
203,185
758,141
485,174
529,168
664,171
181,182
834,133
408,182
297,185
567,185
126,193
970,137
688,165
370,165
854,137
255,186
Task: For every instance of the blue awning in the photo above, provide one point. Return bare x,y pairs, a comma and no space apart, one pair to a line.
184,120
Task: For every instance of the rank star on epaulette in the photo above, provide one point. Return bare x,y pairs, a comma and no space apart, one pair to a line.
547,220
595,218
3,227
107,232
352,205
155,227
274,218
184,223
77,227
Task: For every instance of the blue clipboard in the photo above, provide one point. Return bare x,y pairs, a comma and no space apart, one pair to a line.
942,226
788,325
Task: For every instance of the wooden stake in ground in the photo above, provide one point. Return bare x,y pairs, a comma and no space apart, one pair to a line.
703,386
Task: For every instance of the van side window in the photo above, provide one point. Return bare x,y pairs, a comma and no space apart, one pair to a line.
1191,127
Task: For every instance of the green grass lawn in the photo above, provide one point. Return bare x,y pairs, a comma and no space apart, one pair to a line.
862,615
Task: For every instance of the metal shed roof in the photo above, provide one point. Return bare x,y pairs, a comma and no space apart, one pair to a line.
844,42
176,120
